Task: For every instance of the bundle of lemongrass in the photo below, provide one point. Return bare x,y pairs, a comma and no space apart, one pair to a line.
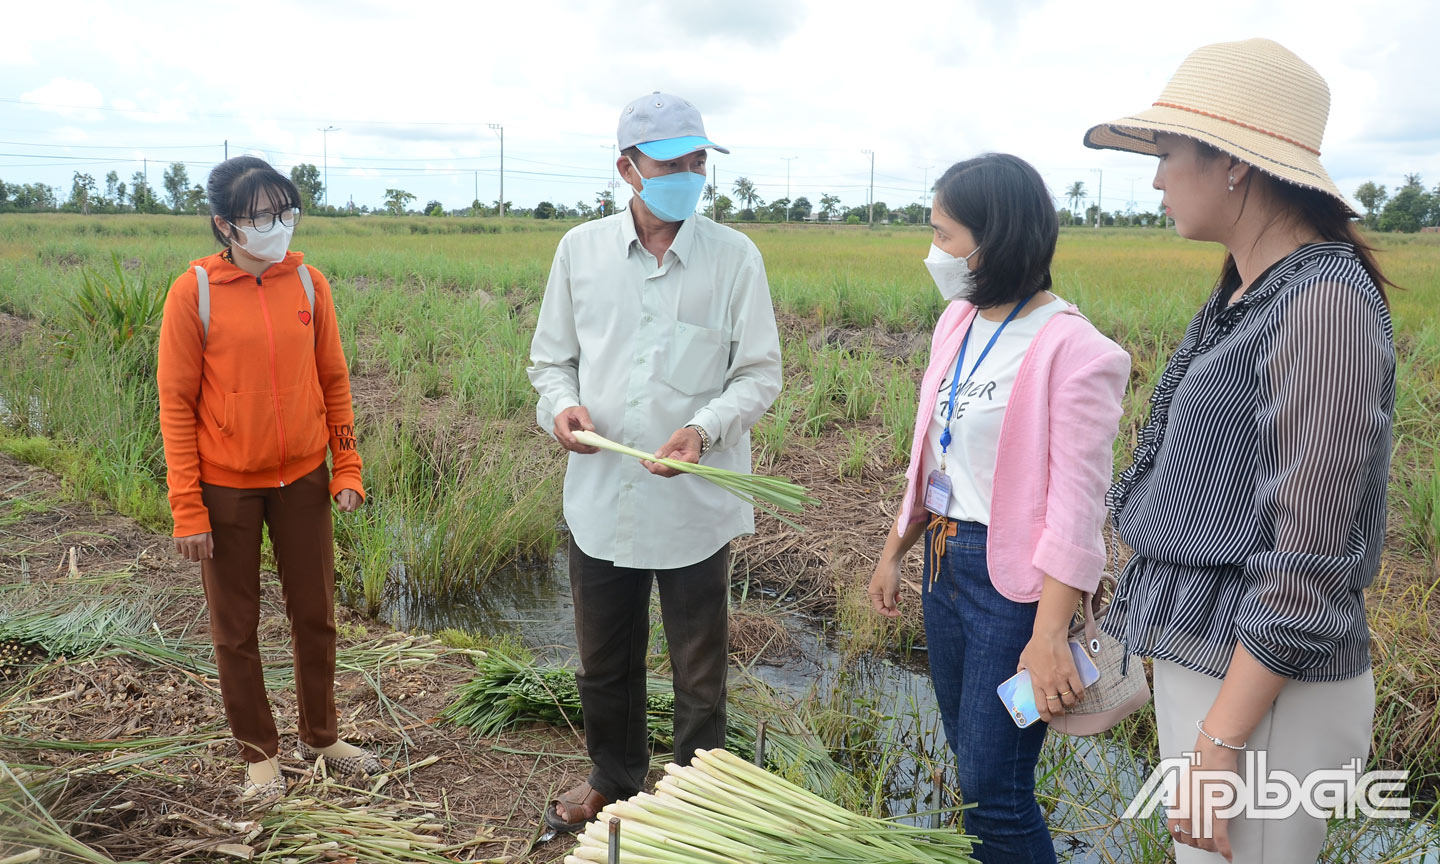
771,494
723,810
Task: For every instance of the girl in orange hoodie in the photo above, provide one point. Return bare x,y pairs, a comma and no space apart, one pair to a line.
253,390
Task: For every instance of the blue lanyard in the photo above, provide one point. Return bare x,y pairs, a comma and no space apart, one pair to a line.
945,437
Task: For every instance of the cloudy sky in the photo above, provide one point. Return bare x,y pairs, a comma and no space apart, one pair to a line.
100,85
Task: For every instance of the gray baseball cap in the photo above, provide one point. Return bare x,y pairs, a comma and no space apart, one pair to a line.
663,127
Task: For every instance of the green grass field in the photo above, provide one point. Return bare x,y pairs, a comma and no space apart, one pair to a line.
436,316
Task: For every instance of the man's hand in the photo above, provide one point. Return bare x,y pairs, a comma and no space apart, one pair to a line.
573,419
683,446
196,547
348,500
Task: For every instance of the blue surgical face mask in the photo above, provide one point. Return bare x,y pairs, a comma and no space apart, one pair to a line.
671,197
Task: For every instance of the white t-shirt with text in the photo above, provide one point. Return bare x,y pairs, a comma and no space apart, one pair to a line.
980,410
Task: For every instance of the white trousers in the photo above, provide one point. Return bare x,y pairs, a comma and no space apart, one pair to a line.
1311,726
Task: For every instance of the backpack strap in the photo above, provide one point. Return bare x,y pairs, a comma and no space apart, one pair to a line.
202,283
309,286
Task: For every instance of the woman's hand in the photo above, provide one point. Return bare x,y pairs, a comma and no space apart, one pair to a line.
196,547
1052,672
884,591
348,500
1200,824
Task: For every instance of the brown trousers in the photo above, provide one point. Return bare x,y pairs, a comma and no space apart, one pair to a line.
298,517
612,629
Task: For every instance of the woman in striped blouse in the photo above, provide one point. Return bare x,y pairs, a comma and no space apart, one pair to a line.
1256,500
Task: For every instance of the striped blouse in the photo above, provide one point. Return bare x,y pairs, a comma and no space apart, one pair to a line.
1256,500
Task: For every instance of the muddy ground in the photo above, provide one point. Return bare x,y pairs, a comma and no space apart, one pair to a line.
187,808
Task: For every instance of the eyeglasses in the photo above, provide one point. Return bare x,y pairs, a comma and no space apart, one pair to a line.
265,220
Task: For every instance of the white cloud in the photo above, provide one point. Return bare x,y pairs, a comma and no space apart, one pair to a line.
66,97
921,83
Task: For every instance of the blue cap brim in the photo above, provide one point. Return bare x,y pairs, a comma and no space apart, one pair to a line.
672,148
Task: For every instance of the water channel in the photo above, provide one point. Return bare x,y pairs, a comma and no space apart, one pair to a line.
533,604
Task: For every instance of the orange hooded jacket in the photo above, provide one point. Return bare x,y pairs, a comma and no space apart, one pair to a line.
256,403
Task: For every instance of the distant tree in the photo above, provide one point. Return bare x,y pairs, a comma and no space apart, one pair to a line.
775,211
747,214
723,208
1410,209
710,192
505,211
605,202
4,195
1372,198
195,200
82,192
745,193
306,178
142,197
120,195
177,184
434,208
881,212
477,209
397,200
34,196
1075,195
583,210
544,210
913,213
828,205
801,209
114,189
1090,213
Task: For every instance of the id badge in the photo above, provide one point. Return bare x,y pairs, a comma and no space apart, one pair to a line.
937,493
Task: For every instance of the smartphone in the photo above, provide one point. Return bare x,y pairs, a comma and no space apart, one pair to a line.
1018,693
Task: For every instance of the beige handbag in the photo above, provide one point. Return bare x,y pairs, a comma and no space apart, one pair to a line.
1121,689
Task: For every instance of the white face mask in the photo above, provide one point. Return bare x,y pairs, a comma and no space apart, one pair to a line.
269,247
952,275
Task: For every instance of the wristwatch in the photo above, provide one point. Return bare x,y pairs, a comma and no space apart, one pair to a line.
704,437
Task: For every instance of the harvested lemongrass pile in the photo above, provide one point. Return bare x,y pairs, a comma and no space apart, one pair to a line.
722,809
771,494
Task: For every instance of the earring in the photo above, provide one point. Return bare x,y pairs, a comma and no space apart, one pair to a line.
1232,182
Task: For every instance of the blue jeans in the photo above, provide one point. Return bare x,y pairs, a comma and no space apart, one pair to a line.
975,636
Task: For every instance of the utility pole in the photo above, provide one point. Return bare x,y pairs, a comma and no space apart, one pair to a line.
500,130
614,160
715,199
788,160
325,157
477,186
227,149
1099,196
925,195
871,215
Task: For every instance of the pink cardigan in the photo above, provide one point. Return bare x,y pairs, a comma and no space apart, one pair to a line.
1054,458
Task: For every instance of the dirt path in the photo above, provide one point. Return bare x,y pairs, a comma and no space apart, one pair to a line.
184,804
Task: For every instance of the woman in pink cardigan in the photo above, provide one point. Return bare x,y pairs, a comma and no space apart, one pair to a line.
1019,410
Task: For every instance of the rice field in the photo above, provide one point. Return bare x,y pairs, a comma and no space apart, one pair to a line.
436,317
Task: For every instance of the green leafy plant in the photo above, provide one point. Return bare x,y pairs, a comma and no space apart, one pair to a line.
114,307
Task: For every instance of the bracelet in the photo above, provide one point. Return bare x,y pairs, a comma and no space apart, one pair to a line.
704,437
1216,741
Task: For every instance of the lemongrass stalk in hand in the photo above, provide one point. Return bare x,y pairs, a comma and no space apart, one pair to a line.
771,494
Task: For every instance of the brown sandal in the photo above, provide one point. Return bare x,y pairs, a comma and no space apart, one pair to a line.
582,801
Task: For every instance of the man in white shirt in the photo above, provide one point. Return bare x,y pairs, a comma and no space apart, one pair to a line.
656,331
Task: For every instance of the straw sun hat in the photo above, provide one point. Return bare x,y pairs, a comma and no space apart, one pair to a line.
1253,100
